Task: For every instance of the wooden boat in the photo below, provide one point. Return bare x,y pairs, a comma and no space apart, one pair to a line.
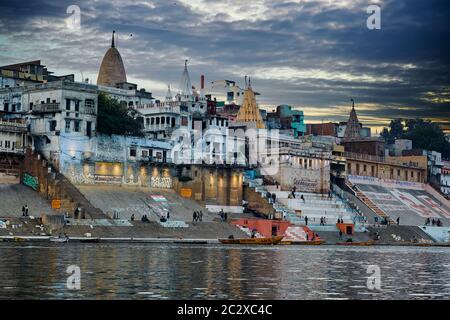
303,243
59,239
90,240
362,243
260,241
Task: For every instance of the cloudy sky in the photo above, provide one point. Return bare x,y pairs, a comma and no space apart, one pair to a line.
312,54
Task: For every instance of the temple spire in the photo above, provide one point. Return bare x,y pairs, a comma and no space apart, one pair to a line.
168,94
353,127
185,84
112,42
249,111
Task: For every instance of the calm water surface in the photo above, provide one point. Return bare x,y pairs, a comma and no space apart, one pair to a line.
148,271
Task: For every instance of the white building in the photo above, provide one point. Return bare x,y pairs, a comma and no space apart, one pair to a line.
161,118
13,136
58,112
226,91
445,178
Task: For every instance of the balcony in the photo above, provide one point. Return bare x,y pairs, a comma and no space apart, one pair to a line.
13,151
7,126
46,108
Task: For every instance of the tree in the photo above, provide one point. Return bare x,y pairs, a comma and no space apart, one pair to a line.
396,131
423,133
116,118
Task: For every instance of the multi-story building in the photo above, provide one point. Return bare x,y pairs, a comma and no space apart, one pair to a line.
61,115
445,178
13,136
27,73
286,120
161,118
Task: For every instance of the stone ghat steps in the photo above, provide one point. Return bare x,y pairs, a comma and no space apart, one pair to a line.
373,207
139,201
200,230
14,196
394,234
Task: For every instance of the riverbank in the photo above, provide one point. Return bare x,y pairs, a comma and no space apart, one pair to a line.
90,240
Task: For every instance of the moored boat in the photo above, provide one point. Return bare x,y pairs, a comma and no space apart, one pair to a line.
260,241
303,243
360,243
90,240
59,239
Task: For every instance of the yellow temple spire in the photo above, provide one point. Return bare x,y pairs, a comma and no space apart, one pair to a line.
249,111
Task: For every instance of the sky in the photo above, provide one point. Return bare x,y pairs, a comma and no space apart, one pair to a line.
312,54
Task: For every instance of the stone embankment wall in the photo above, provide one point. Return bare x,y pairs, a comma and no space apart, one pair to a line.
37,173
258,203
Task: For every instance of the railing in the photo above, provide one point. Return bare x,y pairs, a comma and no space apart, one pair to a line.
7,126
46,107
385,160
89,110
15,151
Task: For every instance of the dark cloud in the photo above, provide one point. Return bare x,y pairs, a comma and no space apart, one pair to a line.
311,54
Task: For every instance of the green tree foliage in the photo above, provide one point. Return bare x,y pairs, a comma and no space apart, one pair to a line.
423,133
115,118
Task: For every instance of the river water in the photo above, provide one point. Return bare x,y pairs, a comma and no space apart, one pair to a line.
165,271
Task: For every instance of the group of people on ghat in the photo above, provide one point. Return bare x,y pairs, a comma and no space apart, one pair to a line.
223,215
197,216
433,222
25,211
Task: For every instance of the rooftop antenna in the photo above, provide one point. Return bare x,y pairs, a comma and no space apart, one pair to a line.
353,103
112,41
245,82
249,82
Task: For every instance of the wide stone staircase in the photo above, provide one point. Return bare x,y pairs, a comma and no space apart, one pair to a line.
369,203
314,206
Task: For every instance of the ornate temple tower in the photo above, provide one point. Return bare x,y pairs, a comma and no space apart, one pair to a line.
185,89
352,130
112,70
249,111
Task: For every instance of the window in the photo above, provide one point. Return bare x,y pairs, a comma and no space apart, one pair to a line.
132,152
67,125
77,126
31,106
144,153
357,168
67,104
365,168
412,174
77,106
398,172
89,106
152,121
88,128
52,126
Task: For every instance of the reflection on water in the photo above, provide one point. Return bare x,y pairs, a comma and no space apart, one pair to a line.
144,271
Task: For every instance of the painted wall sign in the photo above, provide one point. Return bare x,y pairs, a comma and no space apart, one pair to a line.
186,192
158,198
30,181
56,204
158,182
